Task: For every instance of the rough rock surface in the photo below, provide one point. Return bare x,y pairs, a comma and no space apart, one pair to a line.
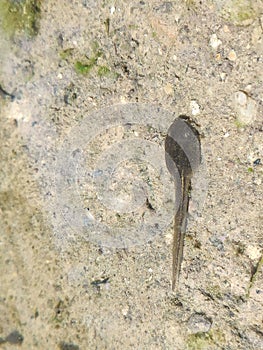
198,58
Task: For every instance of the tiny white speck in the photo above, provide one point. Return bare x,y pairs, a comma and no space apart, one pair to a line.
214,41
195,108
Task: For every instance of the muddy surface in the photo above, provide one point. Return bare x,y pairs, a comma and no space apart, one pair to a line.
64,64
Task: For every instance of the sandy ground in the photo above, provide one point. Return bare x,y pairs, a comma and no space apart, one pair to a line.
61,288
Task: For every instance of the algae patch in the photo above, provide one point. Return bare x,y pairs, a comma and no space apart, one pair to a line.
210,340
85,68
20,17
103,71
86,65
239,12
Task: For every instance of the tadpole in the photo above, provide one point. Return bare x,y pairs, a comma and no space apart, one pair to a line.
183,157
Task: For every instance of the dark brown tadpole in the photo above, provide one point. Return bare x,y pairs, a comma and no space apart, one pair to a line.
183,157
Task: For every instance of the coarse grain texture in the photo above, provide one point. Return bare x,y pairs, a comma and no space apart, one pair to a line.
87,55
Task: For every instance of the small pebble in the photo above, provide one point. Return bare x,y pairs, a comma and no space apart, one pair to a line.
226,29
253,252
258,181
125,310
199,323
195,108
169,90
248,88
14,338
241,98
245,107
217,243
214,41
232,56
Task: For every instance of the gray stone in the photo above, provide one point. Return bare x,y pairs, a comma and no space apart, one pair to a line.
245,107
199,323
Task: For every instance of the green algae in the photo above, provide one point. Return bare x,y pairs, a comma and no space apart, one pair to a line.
203,341
20,17
239,12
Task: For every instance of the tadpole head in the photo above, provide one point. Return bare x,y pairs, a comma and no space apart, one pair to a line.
182,147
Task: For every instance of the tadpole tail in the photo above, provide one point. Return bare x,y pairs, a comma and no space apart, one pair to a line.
180,222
